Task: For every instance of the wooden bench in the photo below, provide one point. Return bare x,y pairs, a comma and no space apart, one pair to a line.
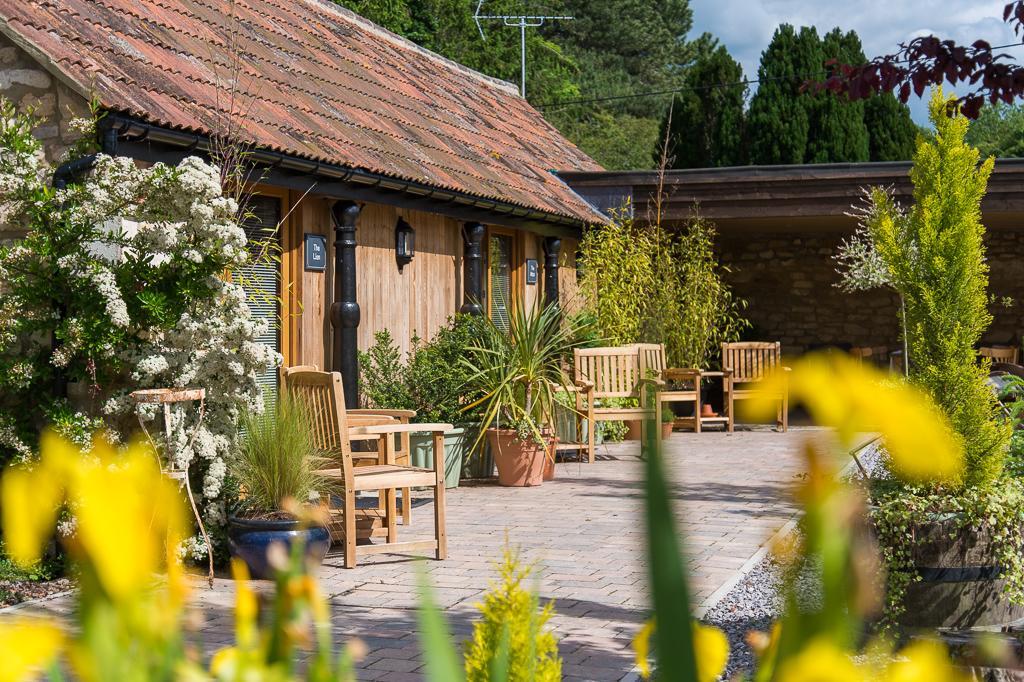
604,373
681,385
749,363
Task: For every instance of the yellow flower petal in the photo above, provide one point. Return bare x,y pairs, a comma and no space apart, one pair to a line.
712,651
924,661
820,661
27,646
246,605
642,648
30,503
853,398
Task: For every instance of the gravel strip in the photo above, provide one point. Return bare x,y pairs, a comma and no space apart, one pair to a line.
755,602
17,591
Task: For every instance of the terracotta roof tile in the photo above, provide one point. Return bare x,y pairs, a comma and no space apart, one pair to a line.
308,78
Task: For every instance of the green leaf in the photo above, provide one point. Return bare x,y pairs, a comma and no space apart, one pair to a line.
674,635
439,654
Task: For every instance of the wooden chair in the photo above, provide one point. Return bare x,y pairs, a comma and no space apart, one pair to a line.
612,372
1008,354
653,364
748,363
321,394
370,417
875,355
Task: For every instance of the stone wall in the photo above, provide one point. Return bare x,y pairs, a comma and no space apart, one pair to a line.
24,82
788,280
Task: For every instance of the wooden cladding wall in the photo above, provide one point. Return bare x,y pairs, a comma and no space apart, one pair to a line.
416,301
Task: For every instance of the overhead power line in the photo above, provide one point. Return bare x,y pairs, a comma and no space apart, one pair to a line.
700,88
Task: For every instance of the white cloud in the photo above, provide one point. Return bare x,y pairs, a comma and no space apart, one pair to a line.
746,27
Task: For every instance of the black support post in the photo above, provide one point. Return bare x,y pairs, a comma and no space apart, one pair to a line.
552,249
345,308
472,268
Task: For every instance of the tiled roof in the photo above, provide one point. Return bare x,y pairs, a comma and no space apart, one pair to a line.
308,78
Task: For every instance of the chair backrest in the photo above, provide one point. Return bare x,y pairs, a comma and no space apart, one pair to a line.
751,360
872,354
652,359
999,353
322,396
614,370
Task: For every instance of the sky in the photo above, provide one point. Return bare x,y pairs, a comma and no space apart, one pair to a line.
746,26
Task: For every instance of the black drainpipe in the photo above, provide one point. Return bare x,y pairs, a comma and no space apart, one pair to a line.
472,268
552,248
345,308
64,174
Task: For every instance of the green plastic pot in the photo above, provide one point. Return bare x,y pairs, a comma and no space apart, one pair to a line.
480,463
456,445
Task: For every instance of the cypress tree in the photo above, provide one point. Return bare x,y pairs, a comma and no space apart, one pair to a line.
707,117
892,134
779,120
837,128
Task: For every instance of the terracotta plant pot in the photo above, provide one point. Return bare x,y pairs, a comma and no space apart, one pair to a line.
634,430
520,463
707,411
549,460
666,429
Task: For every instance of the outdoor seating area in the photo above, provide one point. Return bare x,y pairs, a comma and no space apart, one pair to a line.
328,353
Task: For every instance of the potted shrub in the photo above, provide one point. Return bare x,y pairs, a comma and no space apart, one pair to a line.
668,420
275,467
433,383
953,551
518,371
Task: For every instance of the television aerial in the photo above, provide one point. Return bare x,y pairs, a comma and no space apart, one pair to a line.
520,21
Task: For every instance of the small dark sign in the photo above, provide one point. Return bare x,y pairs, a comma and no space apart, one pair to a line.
316,252
531,271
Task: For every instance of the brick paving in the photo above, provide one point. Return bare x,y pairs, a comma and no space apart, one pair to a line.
585,532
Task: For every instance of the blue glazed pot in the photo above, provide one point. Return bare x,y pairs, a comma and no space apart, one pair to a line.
249,540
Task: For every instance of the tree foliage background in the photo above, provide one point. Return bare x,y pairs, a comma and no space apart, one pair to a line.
592,78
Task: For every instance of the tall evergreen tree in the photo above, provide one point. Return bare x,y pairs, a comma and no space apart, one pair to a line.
837,130
779,120
707,117
892,134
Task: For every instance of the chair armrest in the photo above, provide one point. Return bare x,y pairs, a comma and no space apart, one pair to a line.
359,420
408,414
385,429
681,373
585,384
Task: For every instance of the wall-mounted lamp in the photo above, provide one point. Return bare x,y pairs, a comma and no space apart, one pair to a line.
405,243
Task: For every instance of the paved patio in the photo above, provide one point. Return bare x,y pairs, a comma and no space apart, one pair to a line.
584,530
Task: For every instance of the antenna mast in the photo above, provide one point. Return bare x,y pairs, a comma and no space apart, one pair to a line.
522,22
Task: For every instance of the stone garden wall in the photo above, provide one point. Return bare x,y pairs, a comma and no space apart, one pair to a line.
24,82
789,281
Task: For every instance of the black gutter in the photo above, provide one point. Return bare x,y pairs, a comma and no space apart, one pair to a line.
135,131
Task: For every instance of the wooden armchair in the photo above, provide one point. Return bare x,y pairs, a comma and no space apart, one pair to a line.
611,372
321,394
748,363
370,417
1000,353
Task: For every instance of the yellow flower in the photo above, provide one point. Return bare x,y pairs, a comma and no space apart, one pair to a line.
128,513
924,661
712,651
820,661
853,398
710,647
27,646
246,605
642,648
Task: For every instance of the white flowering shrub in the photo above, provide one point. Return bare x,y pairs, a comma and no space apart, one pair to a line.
120,285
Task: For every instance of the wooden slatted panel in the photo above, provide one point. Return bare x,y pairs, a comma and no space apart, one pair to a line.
751,360
614,372
261,277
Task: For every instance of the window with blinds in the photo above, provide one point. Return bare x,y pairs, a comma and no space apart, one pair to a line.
499,285
261,277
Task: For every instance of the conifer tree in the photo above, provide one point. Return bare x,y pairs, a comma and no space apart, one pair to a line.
707,118
891,132
837,128
779,120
